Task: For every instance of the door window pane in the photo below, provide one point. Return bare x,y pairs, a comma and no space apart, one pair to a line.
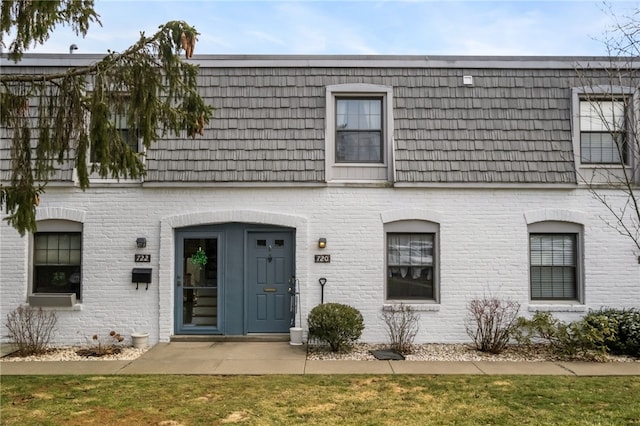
200,289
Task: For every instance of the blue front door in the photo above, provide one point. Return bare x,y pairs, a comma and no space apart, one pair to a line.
244,285
269,268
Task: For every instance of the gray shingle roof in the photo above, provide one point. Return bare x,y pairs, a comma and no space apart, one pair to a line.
513,125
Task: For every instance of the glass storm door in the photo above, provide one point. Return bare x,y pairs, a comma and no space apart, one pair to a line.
269,267
197,275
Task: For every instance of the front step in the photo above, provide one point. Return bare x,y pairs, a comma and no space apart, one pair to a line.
267,337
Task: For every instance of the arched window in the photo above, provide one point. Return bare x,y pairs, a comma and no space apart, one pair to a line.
555,261
57,257
412,260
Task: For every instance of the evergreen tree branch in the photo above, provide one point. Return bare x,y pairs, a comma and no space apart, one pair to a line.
33,21
62,118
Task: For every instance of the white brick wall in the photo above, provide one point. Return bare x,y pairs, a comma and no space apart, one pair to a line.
483,237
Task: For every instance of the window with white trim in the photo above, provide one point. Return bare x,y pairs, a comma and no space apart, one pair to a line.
359,133
555,271
129,136
359,130
603,134
57,257
411,261
604,128
103,135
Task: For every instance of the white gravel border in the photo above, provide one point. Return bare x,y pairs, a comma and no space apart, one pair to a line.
359,352
449,352
69,354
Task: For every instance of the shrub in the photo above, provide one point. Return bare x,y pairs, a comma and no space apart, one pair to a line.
31,329
626,322
335,324
402,327
491,322
629,332
576,339
100,347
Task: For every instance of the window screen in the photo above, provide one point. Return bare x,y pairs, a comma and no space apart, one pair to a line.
359,130
57,262
553,266
602,132
410,266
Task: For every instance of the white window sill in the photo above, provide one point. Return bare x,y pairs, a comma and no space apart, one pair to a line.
96,179
556,307
76,307
419,307
362,164
602,166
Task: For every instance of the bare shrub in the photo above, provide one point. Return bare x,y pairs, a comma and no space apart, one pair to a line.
100,347
31,329
402,327
490,323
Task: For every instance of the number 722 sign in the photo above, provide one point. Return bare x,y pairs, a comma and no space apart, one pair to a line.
322,258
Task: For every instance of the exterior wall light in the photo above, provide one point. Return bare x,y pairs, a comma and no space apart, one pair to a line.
322,243
141,242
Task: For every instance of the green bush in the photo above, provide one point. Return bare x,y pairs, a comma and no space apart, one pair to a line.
576,339
626,324
335,324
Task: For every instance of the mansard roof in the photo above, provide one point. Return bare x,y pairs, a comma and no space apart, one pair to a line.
511,126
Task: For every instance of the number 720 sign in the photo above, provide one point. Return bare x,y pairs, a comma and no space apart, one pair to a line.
322,258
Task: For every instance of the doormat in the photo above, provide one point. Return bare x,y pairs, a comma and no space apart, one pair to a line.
387,354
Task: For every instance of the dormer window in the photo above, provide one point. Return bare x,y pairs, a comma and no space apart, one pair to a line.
359,134
129,137
603,136
359,130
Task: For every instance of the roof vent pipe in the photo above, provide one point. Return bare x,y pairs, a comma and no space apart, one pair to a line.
72,48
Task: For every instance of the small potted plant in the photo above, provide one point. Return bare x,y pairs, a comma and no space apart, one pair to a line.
199,258
59,279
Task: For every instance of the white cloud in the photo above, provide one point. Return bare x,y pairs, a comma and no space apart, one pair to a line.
358,27
208,43
269,38
331,28
509,28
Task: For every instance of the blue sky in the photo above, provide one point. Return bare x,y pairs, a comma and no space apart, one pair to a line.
359,27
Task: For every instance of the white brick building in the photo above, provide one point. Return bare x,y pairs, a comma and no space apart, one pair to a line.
442,192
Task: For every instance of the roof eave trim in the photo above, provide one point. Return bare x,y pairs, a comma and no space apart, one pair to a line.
362,61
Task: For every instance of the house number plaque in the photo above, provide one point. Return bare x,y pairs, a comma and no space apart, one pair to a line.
323,258
142,258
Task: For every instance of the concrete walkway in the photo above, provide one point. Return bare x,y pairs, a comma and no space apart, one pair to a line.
251,358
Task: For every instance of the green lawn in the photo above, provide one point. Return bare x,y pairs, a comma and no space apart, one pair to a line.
319,400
